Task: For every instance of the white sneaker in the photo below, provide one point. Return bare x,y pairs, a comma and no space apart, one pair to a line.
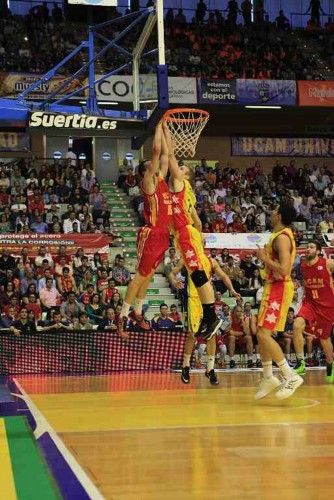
289,386
266,386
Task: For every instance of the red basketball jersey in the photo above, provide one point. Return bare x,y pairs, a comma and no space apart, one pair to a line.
318,283
158,206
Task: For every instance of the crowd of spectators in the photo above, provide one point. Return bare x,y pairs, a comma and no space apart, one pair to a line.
231,201
59,197
60,292
212,44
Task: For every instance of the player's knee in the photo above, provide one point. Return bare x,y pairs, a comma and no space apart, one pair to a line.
263,334
298,325
199,278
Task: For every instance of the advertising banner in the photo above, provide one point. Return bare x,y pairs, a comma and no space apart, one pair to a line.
277,146
246,241
120,88
90,352
75,120
316,93
14,141
270,92
12,84
216,91
91,243
182,90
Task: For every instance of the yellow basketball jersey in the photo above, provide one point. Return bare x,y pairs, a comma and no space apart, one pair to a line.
183,203
270,275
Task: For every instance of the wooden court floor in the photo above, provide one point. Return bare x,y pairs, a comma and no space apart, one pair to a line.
147,436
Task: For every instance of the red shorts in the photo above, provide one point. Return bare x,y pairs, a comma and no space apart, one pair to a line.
320,320
275,303
152,243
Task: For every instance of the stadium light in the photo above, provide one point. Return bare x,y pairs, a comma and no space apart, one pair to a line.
263,107
114,103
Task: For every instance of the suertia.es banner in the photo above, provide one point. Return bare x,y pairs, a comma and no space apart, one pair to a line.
266,92
316,93
75,120
216,91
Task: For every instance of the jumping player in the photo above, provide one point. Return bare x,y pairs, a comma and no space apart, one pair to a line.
278,257
317,309
153,238
188,239
194,317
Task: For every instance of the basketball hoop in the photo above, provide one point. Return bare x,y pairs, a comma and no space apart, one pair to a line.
185,126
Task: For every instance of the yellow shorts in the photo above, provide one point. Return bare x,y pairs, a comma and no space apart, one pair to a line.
195,310
276,300
194,313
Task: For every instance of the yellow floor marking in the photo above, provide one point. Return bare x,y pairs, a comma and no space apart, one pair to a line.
7,483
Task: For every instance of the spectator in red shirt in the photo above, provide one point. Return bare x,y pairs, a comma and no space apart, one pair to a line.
219,225
36,202
130,180
34,306
237,226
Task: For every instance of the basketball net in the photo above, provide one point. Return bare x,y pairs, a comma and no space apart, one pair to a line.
185,126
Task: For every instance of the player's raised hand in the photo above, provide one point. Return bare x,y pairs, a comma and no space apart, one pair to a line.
168,138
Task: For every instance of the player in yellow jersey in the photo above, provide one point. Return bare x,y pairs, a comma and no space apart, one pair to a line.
194,317
278,257
188,239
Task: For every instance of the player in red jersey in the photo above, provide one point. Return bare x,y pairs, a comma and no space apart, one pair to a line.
153,238
317,309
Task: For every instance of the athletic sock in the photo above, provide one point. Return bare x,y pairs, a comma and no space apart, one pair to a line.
258,356
300,356
125,309
287,372
267,369
139,307
254,358
186,360
209,314
210,363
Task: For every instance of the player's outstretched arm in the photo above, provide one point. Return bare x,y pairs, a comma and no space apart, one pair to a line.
174,168
154,166
225,279
164,158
